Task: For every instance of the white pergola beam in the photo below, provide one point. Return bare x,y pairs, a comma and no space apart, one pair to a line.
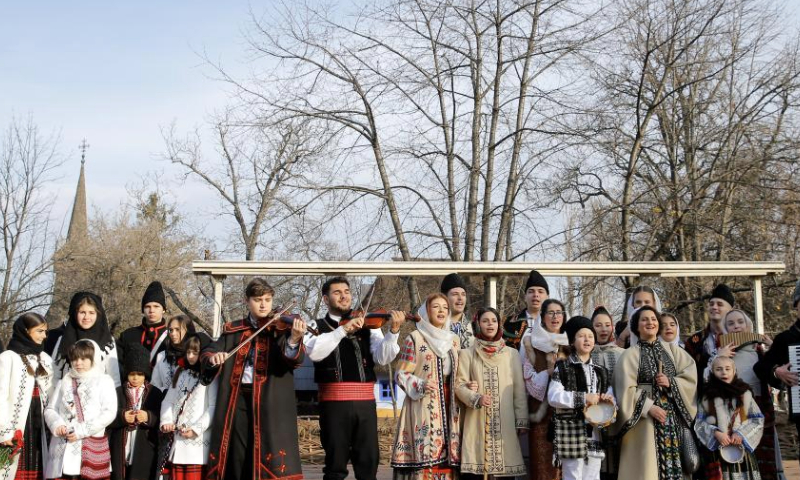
433,268
219,269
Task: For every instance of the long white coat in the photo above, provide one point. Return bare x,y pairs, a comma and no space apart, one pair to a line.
16,389
98,397
196,414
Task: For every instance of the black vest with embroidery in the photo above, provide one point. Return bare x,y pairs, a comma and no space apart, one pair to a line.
350,361
572,377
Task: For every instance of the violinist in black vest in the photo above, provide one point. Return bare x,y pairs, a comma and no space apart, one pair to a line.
344,360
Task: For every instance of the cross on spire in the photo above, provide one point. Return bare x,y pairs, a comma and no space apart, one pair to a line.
83,147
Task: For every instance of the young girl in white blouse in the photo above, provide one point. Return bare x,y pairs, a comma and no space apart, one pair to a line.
84,403
186,414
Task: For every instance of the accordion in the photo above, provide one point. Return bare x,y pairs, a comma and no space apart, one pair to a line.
739,339
793,396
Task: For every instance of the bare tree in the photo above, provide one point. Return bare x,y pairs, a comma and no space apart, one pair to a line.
694,112
28,160
446,114
254,172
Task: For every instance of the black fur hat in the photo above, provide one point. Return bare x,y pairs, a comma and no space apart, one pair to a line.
452,281
137,359
576,323
535,279
722,291
154,293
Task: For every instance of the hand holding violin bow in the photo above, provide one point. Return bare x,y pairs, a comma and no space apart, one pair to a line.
276,320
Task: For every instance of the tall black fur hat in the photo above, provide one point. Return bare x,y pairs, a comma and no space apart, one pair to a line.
796,295
137,359
154,293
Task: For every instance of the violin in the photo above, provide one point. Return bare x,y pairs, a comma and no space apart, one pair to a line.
376,318
286,322
277,320
280,320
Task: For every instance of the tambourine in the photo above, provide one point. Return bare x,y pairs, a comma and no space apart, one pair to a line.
600,414
732,453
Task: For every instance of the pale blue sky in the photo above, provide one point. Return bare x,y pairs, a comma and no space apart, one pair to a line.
115,72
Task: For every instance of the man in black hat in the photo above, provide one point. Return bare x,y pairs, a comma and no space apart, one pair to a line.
536,292
702,345
152,332
774,366
455,288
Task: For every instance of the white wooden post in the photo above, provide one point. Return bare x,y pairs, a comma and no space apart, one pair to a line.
217,305
759,305
490,292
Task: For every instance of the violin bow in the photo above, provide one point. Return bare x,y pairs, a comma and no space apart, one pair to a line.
369,300
254,335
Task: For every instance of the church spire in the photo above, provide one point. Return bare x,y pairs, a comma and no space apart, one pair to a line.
79,223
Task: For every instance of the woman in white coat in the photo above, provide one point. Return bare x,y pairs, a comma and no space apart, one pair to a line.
26,374
186,414
83,404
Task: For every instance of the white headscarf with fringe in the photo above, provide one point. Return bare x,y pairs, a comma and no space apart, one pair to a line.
439,339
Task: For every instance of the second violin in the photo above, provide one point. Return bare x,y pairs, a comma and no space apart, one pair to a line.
374,319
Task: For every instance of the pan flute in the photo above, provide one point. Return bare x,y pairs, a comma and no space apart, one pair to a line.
794,392
739,338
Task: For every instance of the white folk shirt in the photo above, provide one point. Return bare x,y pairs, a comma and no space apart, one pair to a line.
137,393
384,348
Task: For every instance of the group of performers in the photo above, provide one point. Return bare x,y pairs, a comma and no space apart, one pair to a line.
166,401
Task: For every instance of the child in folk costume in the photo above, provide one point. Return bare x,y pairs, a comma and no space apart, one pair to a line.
186,415
671,332
577,383
606,353
729,417
489,382
26,373
83,404
746,357
427,444
134,437
179,329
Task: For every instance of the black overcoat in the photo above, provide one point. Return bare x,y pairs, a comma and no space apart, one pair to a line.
274,404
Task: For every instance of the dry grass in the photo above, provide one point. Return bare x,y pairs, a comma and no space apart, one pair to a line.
311,452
